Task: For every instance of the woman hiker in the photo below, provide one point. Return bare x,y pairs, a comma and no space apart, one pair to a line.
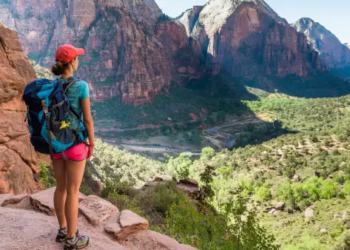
69,166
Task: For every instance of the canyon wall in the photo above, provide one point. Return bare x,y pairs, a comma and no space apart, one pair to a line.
130,52
135,51
248,39
17,156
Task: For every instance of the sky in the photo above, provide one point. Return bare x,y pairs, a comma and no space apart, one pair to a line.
332,14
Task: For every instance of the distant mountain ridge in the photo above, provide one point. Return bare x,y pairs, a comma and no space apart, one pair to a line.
333,53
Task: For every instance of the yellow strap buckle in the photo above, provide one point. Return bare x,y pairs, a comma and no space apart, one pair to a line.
64,125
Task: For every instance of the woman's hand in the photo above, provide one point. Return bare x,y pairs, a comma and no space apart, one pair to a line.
89,125
91,151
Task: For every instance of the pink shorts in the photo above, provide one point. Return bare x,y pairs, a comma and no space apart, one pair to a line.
77,153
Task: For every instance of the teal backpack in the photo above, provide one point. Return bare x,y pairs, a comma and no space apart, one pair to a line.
48,110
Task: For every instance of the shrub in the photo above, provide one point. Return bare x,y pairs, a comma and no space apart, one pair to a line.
312,187
346,188
329,189
180,166
165,196
215,232
46,176
122,201
262,194
285,192
246,187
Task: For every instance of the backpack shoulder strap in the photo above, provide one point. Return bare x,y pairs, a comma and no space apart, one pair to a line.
66,86
69,84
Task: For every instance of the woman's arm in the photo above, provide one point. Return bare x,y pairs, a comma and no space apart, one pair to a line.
89,124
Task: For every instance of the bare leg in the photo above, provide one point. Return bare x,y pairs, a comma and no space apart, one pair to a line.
75,173
61,191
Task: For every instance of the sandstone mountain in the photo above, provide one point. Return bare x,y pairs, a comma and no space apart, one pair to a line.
234,34
130,53
32,219
333,53
135,51
17,156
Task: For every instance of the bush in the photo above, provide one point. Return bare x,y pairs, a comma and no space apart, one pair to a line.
165,196
286,193
329,189
346,188
180,166
262,194
47,176
301,195
211,231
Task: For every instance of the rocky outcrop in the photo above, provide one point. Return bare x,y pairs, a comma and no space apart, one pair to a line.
124,224
234,34
124,55
96,210
333,53
189,187
17,156
20,217
43,202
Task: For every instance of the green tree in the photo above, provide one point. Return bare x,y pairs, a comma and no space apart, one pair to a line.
180,166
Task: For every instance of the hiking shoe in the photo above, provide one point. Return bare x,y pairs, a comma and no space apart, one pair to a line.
62,235
77,242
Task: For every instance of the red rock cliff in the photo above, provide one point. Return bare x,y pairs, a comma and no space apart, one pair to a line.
248,39
134,51
124,56
17,157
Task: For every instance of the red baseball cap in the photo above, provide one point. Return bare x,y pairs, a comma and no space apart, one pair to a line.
66,53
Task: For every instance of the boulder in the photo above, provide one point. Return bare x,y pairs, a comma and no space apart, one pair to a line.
97,210
345,216
156,181
12,199
112,225
43,201
124,224
154,241
268,209
323,230
309,213
189,182
4,197
129,219
290,210
296,178
190,187
273,212
280,206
